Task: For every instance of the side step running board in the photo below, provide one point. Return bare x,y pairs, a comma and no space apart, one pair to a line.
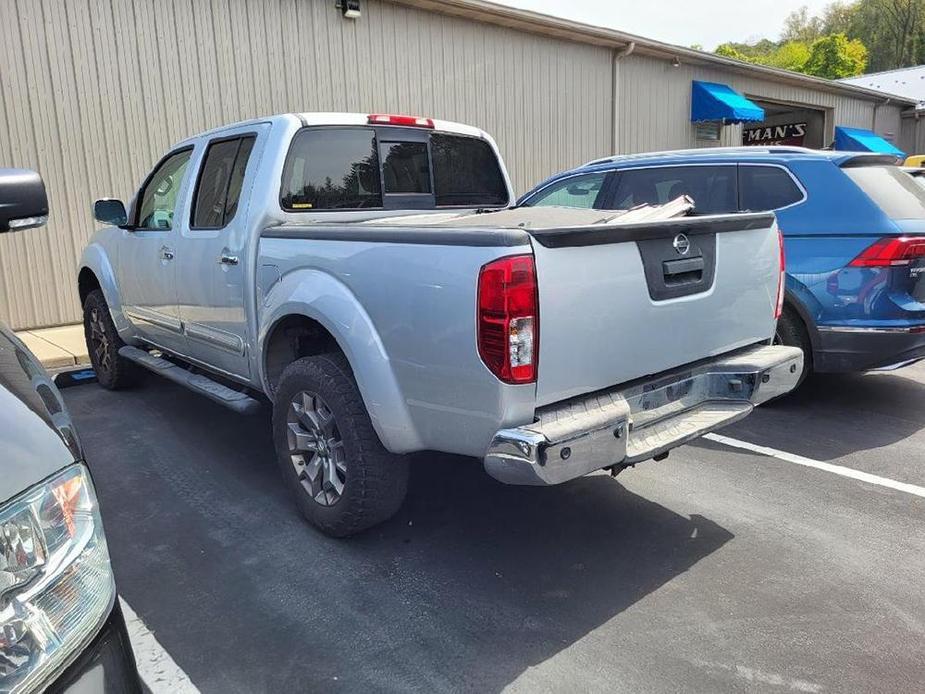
215,391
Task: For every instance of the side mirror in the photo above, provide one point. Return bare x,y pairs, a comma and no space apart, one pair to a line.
110,211
576,189
23,200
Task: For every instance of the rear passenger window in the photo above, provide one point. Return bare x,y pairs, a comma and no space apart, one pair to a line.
220,180
764,188
332,169
575,191
712,188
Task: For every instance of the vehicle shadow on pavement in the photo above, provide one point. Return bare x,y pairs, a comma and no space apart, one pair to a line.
832,416
469,585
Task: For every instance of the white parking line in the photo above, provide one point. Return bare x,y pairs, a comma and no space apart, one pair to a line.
158,670
819,465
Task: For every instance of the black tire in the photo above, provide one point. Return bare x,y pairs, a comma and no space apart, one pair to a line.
103,342
792,332
343,451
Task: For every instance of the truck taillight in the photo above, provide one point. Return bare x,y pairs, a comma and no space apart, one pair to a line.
386,119
781,278
509,319
887,252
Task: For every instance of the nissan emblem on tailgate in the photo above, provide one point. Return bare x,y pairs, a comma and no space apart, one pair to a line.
681,244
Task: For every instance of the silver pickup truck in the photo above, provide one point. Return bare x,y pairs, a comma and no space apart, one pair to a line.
363,274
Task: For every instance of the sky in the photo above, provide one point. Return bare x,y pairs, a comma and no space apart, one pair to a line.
683,22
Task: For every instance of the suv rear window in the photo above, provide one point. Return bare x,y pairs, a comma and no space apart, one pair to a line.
351,168
713,188
894,191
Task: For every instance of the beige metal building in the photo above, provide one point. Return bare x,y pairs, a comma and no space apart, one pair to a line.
92,92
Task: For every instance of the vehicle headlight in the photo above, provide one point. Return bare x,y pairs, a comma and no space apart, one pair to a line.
56,584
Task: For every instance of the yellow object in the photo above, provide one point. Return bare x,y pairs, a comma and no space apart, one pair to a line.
916,160
301,205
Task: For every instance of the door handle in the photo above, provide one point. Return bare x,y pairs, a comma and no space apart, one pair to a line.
166,253
227,259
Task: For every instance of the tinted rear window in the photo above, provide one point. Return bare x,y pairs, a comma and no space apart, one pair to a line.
405,167
332,169
894,191
466,172
713,188
764,188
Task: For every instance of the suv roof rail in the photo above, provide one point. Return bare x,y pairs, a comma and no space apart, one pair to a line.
772,149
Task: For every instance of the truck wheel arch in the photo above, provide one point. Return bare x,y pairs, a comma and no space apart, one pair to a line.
292,337
96,273
293,332
86,283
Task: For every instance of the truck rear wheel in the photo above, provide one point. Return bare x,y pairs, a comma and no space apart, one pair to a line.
103,342
343,478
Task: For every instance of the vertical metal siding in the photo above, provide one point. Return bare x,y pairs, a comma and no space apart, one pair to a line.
92,92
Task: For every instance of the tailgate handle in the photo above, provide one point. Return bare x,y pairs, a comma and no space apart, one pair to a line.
683,270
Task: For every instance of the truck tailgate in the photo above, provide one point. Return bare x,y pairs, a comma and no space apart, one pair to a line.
625,301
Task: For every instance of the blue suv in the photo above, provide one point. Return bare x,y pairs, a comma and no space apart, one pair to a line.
853,226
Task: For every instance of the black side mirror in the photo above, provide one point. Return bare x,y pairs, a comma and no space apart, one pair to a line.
576,189
110,211
23,200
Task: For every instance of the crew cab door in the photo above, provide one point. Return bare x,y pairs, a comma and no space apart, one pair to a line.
213,267
147,254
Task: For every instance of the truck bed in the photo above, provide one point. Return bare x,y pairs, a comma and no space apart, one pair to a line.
617,302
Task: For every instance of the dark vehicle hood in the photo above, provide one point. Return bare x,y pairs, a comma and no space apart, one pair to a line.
37,437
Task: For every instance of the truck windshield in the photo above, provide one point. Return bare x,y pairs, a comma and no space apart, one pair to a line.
352,168
892,189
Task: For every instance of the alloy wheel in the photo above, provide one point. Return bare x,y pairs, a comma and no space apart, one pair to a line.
316,448
99,341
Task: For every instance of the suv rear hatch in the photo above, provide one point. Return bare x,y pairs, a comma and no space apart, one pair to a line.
895,262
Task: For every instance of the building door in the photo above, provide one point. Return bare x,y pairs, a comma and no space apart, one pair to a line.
786,124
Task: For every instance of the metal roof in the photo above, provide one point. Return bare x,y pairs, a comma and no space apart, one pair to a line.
907,82
538,23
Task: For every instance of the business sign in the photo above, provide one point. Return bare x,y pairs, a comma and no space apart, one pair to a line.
784,134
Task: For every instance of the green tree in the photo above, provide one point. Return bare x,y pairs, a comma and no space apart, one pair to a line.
791,55
728,50
893,31
800,26
836,56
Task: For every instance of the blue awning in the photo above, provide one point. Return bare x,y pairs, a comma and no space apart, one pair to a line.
713,101
860,140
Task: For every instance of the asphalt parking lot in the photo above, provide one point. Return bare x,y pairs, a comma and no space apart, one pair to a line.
719,569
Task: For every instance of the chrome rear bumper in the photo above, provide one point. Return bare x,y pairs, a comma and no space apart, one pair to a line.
629,424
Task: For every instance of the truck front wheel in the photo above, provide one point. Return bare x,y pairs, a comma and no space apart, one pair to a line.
343,478
103,342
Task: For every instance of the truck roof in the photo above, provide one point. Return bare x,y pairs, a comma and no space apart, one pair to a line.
308,118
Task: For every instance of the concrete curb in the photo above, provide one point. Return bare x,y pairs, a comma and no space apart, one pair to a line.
57,348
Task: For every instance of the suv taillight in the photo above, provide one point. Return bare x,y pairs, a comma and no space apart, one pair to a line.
509,319
781,278
891,251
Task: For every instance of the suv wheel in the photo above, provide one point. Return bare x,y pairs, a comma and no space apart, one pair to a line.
790,331
343,479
